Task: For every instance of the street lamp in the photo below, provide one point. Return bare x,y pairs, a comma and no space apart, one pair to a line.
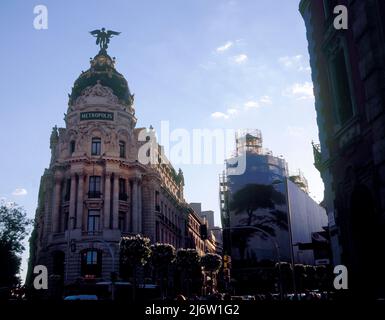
275,182
275,245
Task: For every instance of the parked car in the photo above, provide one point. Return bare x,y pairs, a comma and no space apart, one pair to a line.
82,297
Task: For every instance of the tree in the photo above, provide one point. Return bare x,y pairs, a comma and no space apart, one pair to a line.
9,266
310,277
211,263
300,276
162,255
14,227
285,274
187,261
134,252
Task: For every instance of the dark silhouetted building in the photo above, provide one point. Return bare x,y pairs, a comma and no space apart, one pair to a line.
348,72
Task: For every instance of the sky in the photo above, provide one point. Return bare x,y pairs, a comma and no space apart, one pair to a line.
197,64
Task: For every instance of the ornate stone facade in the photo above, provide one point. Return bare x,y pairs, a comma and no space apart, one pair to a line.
95,189
348,75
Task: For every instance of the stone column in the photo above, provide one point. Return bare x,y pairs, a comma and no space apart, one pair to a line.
139,207
115,203
107,200
79,211
72,202
56,205
128,214
134,206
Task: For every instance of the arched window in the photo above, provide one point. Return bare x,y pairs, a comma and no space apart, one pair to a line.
91,264
122,149
72,146
96,146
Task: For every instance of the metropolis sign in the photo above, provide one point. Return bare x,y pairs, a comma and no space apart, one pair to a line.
97,115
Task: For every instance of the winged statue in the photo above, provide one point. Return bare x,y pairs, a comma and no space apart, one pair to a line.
103,37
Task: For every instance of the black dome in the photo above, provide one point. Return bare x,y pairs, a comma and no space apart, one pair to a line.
103,69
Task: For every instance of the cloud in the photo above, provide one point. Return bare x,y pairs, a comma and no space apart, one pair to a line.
240,58
232,111
219,115
225,47
300,91
296,62
295,131
251,104
265,100
225,115
19,192
248,105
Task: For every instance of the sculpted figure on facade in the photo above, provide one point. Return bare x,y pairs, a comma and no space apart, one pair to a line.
97,91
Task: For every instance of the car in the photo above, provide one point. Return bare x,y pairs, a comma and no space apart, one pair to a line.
82,297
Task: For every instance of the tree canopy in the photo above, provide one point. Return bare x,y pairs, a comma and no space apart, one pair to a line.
14,227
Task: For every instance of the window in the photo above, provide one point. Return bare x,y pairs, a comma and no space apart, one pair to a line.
341,88
68,190
96,146
122,190
91,264
72,146
122,149
122,221
66,220
157,207
93,221
94,187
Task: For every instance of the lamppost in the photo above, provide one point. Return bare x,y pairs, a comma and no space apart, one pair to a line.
275,245
275,182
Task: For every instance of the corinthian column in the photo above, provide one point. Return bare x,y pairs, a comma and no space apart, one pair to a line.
129,213
56,205
72,201
79,211
115,203
139,207
134,205
107,200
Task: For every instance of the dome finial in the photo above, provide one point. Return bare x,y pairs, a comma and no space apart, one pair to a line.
103,37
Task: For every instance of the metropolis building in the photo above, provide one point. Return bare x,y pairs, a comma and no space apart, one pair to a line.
96,190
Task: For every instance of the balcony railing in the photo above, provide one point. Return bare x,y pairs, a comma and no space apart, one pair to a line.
92,233
94,194
317,156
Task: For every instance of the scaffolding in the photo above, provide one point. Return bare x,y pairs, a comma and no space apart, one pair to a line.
248,141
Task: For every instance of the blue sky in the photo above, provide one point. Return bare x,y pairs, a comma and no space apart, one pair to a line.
195,63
